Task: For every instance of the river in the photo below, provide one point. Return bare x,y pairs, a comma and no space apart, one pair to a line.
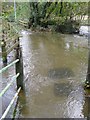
55,66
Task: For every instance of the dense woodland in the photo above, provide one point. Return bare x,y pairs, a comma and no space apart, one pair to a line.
64,17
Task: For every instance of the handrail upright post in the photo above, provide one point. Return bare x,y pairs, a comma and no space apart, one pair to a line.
3,46
19,67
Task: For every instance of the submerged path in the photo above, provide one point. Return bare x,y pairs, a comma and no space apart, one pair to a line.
54,70
55,66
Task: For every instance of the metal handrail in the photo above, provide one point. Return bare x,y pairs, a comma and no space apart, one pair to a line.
7,87
13,27
12,79
11,103
5,68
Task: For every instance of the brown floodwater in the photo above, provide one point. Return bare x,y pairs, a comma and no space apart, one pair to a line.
55,67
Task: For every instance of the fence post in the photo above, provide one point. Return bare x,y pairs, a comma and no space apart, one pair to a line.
19,67
3,45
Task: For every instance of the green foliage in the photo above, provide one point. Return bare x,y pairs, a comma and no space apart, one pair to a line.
46,13
23,10
7,10
68,14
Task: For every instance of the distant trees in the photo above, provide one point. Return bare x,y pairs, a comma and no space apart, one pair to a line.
38,13
22,10
62,16
56,13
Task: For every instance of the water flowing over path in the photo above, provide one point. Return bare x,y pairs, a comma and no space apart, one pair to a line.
54,66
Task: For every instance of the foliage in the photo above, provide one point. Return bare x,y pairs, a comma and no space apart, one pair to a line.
7,10
60,15
22,10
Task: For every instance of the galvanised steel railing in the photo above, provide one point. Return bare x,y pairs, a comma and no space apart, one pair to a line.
8,86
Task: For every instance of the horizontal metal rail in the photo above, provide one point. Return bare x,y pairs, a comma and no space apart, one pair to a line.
7,87
11,39
10,105
14,46
10,49
13,27
5,68
23,23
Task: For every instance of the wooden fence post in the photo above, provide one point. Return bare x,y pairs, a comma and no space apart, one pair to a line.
3,46
19,67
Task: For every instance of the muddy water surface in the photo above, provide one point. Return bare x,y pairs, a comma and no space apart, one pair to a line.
55,67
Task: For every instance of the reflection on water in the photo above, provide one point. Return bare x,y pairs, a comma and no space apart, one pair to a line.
54,69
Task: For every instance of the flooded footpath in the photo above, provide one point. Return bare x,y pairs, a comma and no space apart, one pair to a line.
55,67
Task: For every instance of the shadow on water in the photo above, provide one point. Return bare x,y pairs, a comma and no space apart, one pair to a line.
62,89
59,73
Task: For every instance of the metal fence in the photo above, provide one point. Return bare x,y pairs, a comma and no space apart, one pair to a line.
8,86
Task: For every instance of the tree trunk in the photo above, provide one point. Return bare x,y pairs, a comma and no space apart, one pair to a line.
61,7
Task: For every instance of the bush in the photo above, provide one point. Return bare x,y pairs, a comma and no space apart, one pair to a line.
11,18
68,27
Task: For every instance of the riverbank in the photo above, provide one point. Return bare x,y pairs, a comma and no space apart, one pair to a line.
66,28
